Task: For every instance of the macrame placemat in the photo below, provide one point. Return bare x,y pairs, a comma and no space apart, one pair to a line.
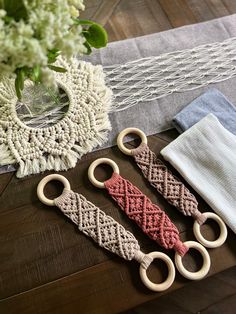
57,146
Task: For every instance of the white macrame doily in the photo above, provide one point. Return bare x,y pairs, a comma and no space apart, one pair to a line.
151,78
58,146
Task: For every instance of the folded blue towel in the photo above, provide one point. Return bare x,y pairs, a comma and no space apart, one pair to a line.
213,101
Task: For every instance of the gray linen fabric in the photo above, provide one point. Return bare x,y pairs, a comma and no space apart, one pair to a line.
213,101
156,116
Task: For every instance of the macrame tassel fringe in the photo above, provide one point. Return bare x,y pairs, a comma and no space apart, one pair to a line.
180,248
199,217
6,157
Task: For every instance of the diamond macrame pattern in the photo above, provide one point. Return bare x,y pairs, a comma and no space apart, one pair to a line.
102,228
168,185
150,78
153,220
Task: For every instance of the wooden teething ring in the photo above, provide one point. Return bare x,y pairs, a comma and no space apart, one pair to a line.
96,163
125,132
44,181
223,231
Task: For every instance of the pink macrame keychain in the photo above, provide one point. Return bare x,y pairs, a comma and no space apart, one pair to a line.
170,187
104,230
150,218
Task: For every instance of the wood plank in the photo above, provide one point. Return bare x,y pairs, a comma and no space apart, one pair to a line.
135,18
230,5
81,291
37,243
119,289
203,294
211,295
201,10
225,306
178,11
47,266
105,10
5,180
218,8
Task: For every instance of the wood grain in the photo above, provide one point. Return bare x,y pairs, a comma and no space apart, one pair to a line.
216,294
127,18
46,265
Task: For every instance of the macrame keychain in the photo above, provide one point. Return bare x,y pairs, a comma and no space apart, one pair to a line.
170,187
150,218
104,230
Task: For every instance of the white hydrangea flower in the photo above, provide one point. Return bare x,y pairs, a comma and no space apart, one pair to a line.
49,25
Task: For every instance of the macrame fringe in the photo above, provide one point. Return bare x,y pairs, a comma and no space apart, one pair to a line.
81,78
6,157
180,248
102,123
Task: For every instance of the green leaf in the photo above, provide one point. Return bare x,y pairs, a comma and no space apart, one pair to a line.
36,71
52,55
82,22
2,4
17,88
15,9
7,19
89,50
18,83
21,78
57,69
96,36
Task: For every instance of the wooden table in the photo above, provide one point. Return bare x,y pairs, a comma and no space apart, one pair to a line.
46,264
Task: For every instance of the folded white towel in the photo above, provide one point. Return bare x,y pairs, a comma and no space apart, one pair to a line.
205,155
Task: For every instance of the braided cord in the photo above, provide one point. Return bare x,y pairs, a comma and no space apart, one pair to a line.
102,228
152,220
168,185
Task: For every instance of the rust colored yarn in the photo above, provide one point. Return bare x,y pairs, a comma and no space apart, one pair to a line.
168,185
152,219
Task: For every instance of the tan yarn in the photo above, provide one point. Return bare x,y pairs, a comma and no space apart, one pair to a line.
57,147
102,228
168,185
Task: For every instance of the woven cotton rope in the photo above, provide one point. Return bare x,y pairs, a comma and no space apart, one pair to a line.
151,78
168,185
57,147
148,216
102,228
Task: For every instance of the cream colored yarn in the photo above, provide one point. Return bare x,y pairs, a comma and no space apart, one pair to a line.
102,228
57,147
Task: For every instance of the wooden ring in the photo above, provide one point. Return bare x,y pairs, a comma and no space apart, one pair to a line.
44,181
170,278
223,232
96,163
206,262
125,132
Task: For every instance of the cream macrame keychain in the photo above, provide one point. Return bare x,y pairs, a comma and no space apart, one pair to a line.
104,230
149,217
170,187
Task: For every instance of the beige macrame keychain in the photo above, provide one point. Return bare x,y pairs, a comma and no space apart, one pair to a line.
170,187
104,230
